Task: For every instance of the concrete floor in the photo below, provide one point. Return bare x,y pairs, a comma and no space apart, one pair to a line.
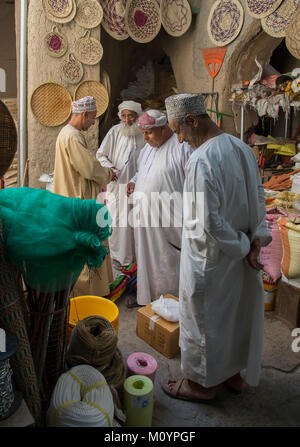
274,403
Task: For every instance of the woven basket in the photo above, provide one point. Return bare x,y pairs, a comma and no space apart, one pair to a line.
95,89
292,39
225,21
57,19
56,43
8,139
113,18
58,8
276,23
142,19
71,70
89,13
261,8
88,50
176,16
51,104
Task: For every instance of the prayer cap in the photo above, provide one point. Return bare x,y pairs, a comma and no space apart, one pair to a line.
86,104
178,106
130,105
152,118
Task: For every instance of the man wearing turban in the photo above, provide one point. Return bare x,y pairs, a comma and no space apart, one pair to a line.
220,293
157,203
77,173
119,151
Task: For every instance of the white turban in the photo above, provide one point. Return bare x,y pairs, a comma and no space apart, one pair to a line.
178,106
130,105
86,104
152,118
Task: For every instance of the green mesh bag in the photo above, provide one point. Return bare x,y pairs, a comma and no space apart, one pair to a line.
50,238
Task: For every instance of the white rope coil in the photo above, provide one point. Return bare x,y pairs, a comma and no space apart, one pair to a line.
81,398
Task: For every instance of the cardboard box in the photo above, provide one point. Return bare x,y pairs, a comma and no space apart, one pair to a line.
161,334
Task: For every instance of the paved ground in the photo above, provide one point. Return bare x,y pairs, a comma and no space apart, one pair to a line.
274,403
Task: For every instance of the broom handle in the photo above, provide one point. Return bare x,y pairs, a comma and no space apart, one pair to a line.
25,172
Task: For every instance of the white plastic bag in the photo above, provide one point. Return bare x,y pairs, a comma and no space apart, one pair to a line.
167,308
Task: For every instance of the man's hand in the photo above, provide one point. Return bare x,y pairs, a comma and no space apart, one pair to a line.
130,188
252,256
114,177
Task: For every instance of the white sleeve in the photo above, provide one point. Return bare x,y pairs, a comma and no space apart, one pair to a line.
105,149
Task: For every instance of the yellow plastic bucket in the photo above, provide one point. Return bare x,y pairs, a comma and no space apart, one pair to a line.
85,306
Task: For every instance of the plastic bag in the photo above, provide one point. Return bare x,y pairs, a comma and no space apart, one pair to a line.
167,308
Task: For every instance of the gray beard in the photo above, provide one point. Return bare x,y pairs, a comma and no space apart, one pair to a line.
130,131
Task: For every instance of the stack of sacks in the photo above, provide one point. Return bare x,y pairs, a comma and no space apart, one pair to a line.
81,398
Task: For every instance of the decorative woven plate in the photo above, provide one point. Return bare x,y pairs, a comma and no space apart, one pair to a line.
176,16
276,23
113,18
89,13
71,70
58,8
225,21
56,43
95,89
262,8
142,19
51,104
8,139
88,50
292,39
66,19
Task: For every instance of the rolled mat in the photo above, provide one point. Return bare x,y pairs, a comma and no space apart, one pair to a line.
143,364
138,401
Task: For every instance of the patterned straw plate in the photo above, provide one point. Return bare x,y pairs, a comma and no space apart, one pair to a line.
276,23
262,8
58,8
225,21
51,104
89,13
142,19
56,43
176,16
96,89
71,70
113,18
292,39
66,19
88,50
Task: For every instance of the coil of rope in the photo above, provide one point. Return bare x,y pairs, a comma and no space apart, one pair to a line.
94,342
81,398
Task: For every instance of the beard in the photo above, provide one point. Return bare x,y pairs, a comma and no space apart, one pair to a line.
130,131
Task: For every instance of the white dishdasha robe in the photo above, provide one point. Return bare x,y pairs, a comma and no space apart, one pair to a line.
120,152
221,296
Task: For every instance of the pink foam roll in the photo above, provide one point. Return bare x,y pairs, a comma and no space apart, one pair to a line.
142,364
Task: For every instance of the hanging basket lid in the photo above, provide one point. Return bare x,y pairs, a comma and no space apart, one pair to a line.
95,89
60,19
51,104
292,39
176,16
88,50
276,23
8,139
225,21
58,8
71,70
142,19
89,13
56,43
261,8
113,18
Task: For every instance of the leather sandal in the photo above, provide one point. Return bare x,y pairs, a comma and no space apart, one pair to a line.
183,385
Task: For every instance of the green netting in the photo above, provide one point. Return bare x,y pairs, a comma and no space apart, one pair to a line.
50,238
